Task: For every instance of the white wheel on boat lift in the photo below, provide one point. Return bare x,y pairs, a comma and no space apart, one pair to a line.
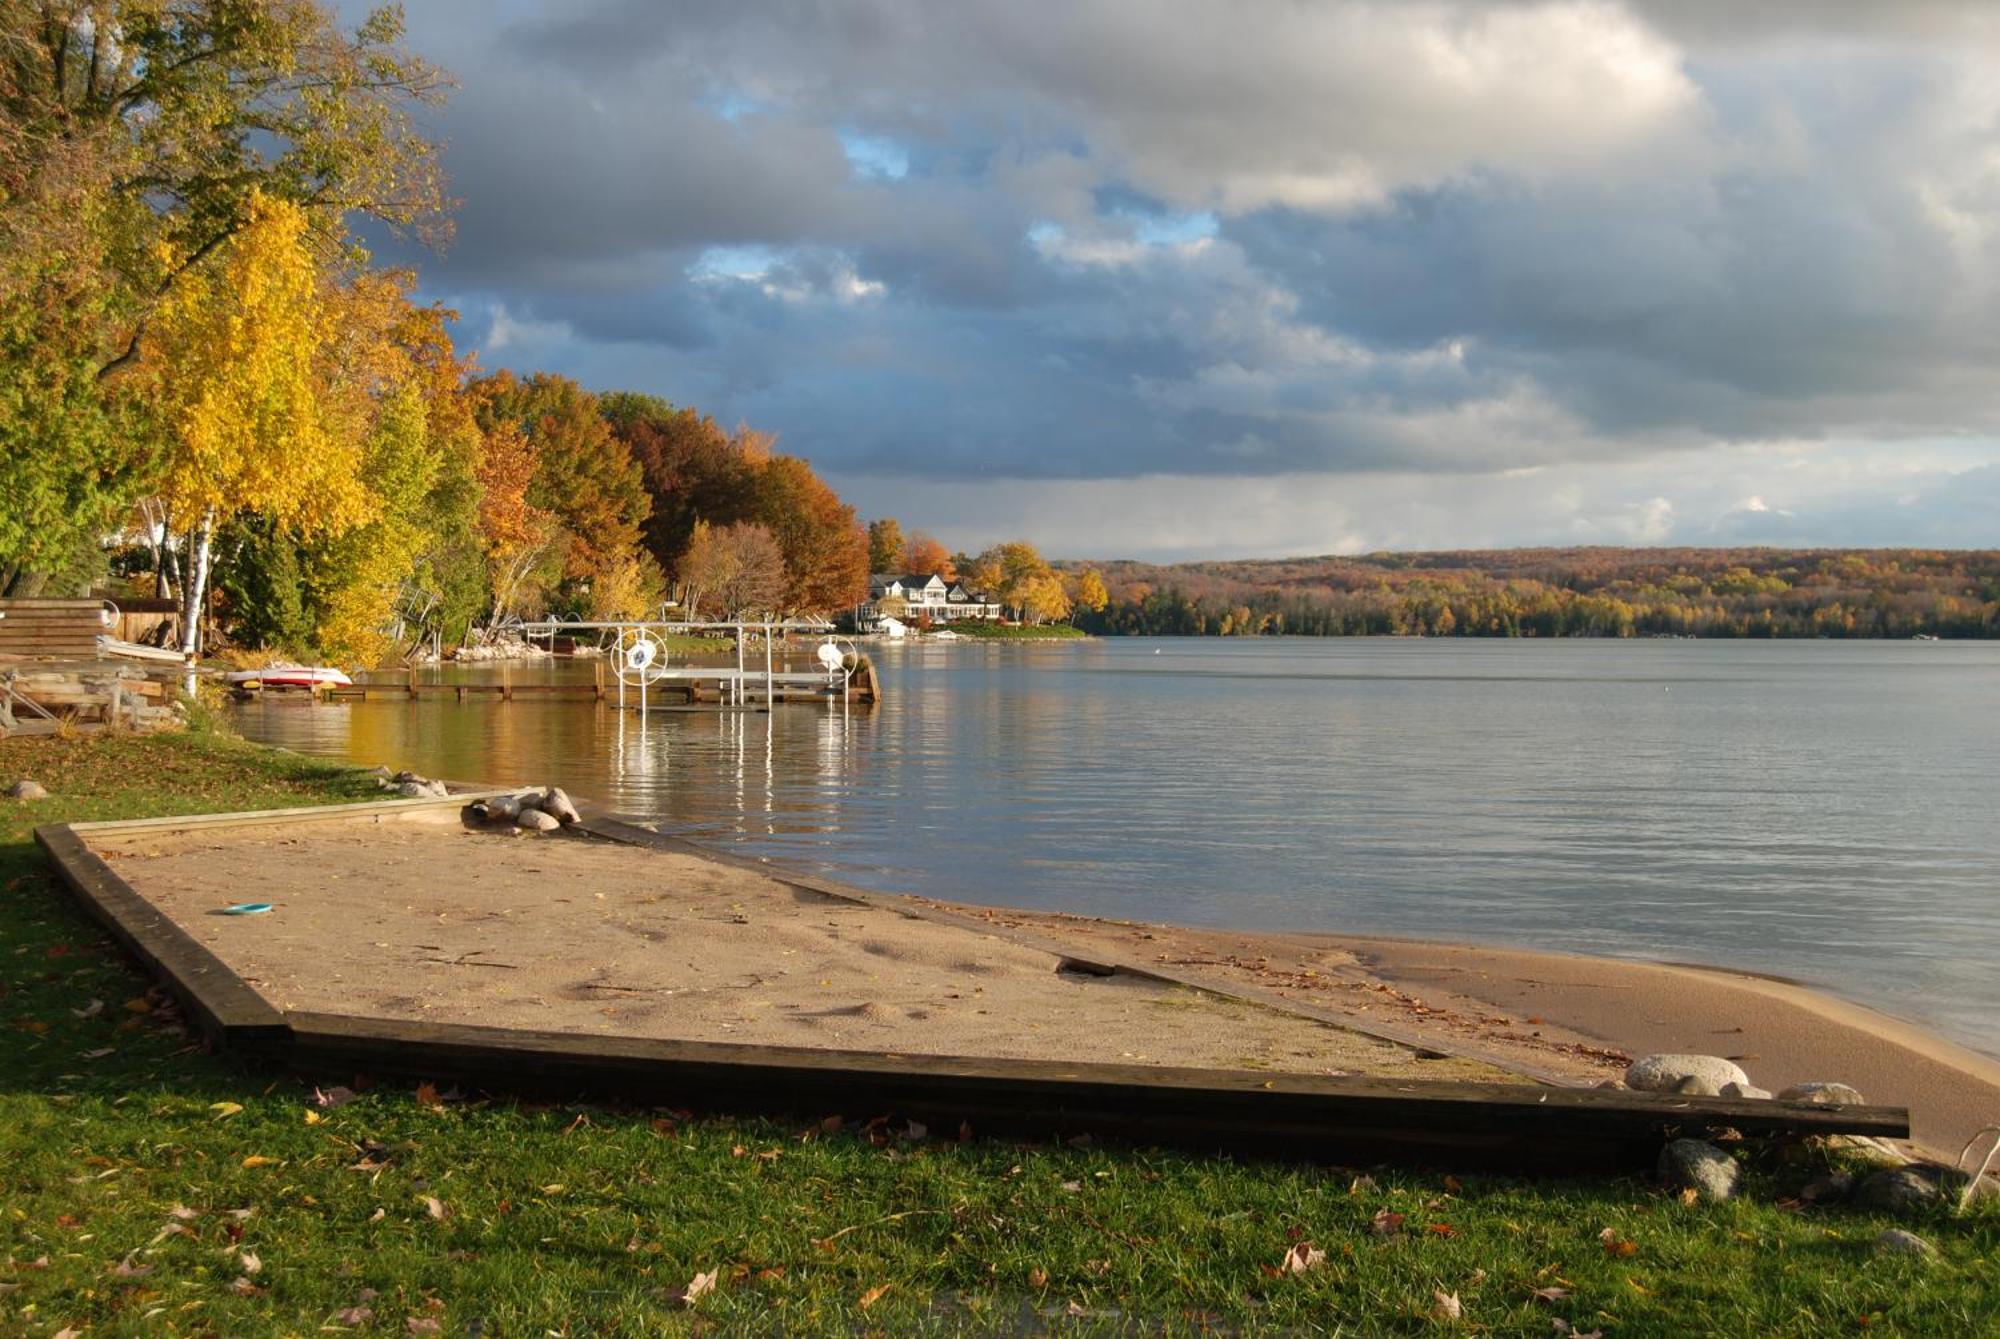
639,657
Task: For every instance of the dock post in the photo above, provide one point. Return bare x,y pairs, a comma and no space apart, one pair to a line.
413,683
597,673
506,682
770,696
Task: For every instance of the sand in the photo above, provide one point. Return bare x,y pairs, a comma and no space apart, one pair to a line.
421,918
417,919
1568,1016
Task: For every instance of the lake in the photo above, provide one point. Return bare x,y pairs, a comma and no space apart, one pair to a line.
1819,810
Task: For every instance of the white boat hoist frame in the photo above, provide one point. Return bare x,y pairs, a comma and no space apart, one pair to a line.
640,655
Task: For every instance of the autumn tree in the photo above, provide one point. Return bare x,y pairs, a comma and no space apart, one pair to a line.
694,471
1089,592
925,555
825,547
516,535
584,475
740,567
138,138
232,382
885,545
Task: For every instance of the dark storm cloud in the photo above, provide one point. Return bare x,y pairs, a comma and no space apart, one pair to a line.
1123,237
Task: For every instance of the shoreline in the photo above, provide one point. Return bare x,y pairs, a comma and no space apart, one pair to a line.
1568,1017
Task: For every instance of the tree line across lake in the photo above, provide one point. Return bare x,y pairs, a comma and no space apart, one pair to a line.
1581,592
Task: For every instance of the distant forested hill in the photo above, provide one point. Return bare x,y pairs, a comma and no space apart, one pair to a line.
1583,592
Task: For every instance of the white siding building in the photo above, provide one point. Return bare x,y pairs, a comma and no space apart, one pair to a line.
925,596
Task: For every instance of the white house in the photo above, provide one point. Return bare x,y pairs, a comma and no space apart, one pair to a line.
924,596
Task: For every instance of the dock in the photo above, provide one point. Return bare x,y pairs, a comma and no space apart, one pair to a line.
638,671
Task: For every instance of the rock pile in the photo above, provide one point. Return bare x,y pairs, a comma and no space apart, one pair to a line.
543,810
1712,1172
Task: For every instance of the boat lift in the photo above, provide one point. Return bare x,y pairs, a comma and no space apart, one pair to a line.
643,662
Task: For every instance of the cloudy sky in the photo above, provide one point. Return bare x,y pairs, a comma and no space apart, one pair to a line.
1160,279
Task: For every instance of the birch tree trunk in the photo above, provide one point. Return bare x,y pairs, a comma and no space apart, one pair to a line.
195,588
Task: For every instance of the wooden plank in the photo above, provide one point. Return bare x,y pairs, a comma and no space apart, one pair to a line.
215,998
362,811
1340,1119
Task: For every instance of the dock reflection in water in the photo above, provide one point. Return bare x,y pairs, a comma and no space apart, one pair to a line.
1815,809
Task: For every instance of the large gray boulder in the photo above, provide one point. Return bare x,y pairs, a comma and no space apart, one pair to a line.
1666,1073
1700,1166
25,790
534,820
503,808
419,789
1823,1094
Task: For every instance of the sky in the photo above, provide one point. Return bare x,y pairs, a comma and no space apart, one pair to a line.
1158,279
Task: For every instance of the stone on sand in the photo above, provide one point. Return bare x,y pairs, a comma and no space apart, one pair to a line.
555,802
1745,1090
1823,1094
503,808
1665,1073
534,820
1700,1166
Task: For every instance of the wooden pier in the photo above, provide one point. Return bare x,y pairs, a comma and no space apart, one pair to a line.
636,672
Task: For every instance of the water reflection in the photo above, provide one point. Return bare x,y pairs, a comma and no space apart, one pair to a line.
1820,810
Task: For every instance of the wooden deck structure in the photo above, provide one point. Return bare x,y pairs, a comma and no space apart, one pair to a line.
1337,1119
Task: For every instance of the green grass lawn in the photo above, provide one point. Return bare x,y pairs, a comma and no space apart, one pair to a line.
148,1188
1017,632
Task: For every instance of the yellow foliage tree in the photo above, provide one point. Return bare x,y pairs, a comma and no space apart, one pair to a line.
234,387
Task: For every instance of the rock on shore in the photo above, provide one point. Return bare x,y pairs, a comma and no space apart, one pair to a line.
1666,1074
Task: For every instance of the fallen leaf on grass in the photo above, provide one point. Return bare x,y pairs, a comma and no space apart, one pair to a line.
1302,1257
138,1004
435,1208
259,1160
313,1117
224,1110
1614,1244
1564,1327
1639,1288
1073,1187
1446,1306
378,1215
427,1095
1442,1230
698,1287
1038,1278
1551,1294
1359,1184
243,1287
90,1010
333,1097
355,1315
873,1295
422,1325
249,1262
1386,1223
183,1213
100,1053
125,1269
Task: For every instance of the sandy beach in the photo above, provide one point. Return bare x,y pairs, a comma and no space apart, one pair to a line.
1575,1018
423,918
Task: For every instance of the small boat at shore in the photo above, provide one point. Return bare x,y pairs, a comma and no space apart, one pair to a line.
289,676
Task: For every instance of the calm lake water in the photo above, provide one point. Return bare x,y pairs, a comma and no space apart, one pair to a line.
1821,810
